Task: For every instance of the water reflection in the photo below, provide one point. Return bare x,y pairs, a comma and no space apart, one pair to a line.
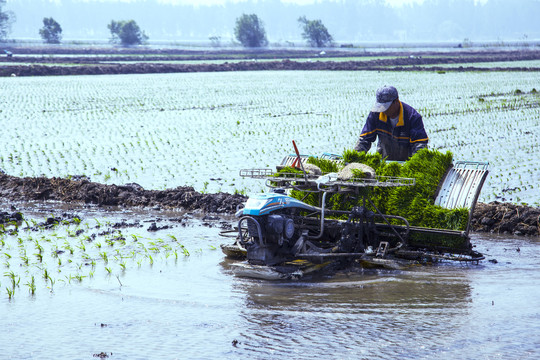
373,314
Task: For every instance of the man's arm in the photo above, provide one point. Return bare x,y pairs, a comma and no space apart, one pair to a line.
367,136
419,138
417,146
362,145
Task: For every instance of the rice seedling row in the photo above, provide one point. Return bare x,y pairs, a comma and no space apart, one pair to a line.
199,129
38,255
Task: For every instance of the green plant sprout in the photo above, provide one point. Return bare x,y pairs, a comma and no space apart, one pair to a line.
31,285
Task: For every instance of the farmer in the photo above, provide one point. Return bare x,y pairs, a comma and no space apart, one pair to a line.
398,126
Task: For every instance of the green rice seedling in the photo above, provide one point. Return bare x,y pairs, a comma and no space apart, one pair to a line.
104,257
11,275
121,239
10,292
184,250
52,282
67,247
39,248
81,246
123,265
31,285
167,247
204,189
108,269
141,245
15,225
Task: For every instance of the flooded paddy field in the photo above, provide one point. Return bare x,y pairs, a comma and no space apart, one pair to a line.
79,281
137,284
168,130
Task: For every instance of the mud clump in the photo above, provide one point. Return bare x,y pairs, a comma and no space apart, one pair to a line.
506,218
84,191
101,355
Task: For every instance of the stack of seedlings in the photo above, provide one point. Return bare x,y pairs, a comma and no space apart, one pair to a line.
415,203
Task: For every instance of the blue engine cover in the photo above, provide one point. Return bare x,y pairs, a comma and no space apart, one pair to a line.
265,203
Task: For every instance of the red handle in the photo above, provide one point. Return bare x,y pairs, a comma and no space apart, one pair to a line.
296,162
296,149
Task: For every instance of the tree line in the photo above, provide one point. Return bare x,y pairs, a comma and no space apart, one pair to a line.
249,31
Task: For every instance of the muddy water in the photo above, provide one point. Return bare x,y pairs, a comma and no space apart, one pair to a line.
192,307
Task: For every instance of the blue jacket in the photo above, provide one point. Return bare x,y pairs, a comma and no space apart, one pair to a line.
395,143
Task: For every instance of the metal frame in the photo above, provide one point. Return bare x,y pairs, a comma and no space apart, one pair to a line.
462,185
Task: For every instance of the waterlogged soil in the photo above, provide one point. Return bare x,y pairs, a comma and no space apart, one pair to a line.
144,301
494,217
103,61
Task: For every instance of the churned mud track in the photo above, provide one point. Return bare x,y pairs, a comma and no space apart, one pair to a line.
495,217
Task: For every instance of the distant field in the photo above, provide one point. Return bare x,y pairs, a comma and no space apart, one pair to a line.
498,64
95,61
200,129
